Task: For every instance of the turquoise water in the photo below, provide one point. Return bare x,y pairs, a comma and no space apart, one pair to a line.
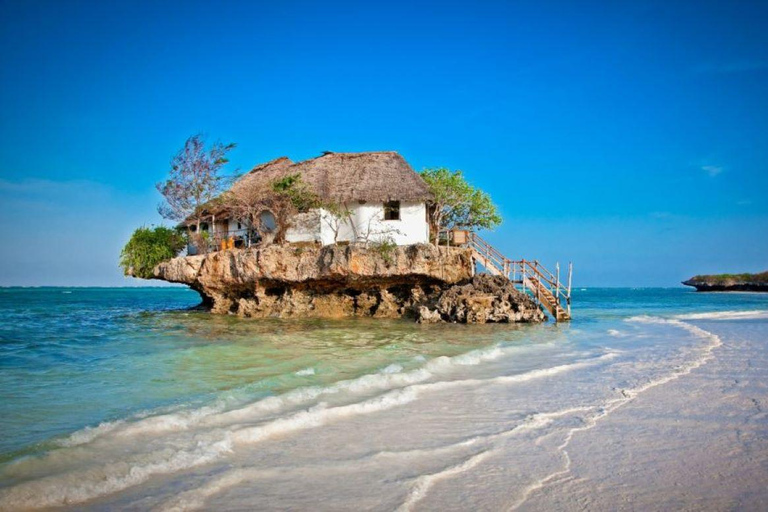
72,359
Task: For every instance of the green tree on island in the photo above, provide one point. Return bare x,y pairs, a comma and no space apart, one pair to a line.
456,203
194,180
148,247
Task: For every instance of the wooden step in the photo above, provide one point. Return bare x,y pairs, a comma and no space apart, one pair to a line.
546,298
489,258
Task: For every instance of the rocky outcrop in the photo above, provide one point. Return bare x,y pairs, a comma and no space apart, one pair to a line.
730,282
311,281
345,281
484,299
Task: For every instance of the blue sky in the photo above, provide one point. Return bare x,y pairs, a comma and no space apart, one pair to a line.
630,138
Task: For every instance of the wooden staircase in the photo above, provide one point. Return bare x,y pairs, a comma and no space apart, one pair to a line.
530,276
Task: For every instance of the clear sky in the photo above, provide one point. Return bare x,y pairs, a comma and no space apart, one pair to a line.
629,137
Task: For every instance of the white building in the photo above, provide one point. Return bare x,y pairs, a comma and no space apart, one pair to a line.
381,198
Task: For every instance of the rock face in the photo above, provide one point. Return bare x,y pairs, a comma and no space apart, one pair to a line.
311,281
730,282
344,281
484,299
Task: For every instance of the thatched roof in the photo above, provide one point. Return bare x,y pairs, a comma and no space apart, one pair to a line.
266,172
375,176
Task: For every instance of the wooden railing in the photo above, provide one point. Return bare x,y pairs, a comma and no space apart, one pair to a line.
545,286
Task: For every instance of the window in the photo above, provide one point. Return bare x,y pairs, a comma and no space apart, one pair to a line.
392,210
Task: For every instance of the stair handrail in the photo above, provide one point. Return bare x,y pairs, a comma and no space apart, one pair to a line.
490,253
543,277
560,292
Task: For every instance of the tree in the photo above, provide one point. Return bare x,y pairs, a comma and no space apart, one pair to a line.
337,214
456,203
194,179
148,247
283,198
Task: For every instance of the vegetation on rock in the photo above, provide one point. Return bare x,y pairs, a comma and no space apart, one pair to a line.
730,282
730,278
195,179
148,247
283,198
456,203
386,249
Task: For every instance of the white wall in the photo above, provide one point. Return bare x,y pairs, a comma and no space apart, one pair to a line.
367,222
233,229
306,228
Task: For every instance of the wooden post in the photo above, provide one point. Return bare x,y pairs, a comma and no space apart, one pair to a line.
570,274
212,231
557,285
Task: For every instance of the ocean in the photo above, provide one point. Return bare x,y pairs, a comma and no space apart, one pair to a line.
650,399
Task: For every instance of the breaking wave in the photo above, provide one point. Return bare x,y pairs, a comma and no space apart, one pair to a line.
178,441
725,315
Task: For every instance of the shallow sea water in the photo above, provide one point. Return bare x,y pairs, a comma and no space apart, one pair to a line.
120,398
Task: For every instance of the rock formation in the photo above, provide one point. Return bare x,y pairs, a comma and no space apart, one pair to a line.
730,282
484,299
421,281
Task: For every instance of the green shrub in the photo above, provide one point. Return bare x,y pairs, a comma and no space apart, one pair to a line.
386,249
299,193
725,278
148,247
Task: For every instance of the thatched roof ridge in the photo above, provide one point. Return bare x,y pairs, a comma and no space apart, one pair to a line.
267,171
375,176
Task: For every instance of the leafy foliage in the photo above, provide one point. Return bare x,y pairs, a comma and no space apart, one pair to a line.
386,249
194,178
283,198
299,193
458,204
148,247
761,277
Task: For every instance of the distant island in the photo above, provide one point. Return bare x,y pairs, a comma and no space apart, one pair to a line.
730,282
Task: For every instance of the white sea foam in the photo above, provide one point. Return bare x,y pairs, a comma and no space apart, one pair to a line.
626,396
424,482
320,414
393,368
725,315
195,499
175,421
81,485
305,372
88,434
222,431
391,377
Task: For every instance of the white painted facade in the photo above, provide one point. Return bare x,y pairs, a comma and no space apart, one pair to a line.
365,223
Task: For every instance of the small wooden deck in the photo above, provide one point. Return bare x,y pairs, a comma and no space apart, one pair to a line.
528,275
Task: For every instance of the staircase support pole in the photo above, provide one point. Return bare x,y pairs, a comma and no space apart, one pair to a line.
570,274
